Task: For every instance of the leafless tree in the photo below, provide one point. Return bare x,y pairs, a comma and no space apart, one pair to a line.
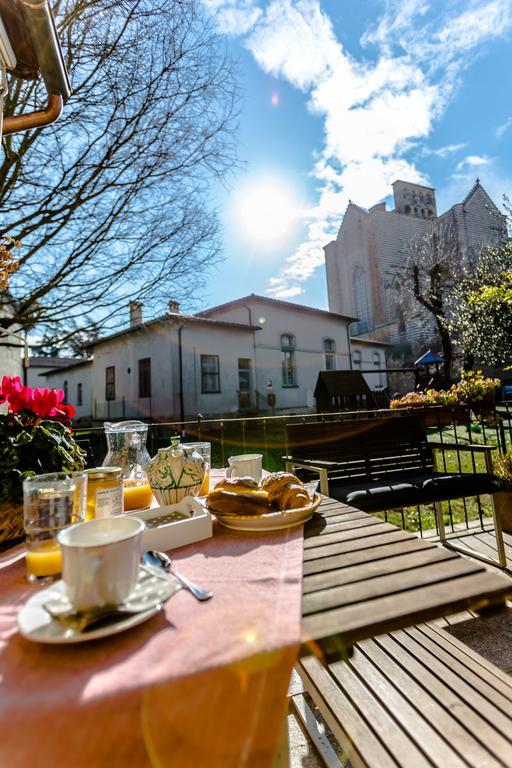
423,282
113,202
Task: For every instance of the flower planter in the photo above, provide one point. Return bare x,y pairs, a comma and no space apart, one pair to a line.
503,507
444,416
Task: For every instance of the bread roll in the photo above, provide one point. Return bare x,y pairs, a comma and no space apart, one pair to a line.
238,496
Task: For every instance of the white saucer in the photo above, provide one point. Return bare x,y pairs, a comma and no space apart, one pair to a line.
36,624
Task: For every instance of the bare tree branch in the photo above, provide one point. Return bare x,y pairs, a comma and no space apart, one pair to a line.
112,203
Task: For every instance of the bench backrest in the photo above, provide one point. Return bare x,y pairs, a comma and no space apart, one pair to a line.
365,447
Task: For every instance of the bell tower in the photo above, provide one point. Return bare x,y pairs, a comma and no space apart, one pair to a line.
414,200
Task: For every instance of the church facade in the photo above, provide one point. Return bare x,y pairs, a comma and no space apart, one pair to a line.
362,262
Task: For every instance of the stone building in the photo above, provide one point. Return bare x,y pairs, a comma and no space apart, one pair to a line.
361,263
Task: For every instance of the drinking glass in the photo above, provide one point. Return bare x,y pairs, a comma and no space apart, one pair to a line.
50,503
204,450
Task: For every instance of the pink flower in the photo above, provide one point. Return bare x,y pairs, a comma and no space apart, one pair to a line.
17,396
45,402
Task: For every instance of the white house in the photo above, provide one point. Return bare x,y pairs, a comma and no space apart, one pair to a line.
75,378
38,365
225,360
362,262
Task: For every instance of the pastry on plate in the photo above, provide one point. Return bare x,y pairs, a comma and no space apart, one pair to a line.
275,484
294,497
238,496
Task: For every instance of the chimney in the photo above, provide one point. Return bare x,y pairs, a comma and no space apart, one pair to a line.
135,313
173,307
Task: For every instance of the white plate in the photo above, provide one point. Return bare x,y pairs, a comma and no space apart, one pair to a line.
36,624
274,521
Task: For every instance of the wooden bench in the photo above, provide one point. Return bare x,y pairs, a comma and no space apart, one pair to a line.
411,699
376,464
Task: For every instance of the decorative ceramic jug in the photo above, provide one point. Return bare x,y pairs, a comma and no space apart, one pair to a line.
175,472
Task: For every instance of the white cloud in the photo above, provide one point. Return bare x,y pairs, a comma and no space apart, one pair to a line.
503,128
443,152
473,161
374,111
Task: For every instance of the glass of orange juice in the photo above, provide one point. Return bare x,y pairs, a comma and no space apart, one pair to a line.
50,503
204,450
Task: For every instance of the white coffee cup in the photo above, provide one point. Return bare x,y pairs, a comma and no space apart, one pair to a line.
245,465
100,561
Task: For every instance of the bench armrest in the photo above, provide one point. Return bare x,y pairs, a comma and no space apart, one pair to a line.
291,464
315,462
474,447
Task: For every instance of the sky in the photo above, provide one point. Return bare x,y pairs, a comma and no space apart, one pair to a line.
340,98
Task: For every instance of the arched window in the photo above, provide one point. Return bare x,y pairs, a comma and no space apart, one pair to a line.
361,300
289,378
356,359
330,354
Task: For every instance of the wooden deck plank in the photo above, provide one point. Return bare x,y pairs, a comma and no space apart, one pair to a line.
474,735
344,525
391,547
339,537
385,727
375,568
395,584
415,724
350,730
485,720
464,670
372,617
394,664
495,676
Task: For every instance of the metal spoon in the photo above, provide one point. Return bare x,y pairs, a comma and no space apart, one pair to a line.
161,560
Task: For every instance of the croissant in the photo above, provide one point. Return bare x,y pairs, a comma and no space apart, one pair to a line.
238,496
294,497
276,483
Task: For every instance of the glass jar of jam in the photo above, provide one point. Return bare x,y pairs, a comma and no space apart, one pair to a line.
104,492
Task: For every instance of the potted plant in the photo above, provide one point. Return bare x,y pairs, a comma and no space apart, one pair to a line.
439,407
35,437
477,392
503,499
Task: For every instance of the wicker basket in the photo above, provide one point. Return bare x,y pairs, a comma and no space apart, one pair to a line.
11,522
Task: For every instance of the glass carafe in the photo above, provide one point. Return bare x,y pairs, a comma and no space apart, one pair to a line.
126,441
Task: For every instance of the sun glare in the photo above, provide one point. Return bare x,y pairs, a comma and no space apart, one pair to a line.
265,211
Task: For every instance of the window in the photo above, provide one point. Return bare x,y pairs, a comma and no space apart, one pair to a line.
79,393
244,382
66,392
145,377
376,364
289,378
110,383
401,322
330,354
356,359
361,300
210,379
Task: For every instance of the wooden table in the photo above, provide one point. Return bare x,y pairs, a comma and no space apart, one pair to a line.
364,577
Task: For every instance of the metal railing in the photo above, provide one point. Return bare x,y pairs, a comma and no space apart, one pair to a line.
267,435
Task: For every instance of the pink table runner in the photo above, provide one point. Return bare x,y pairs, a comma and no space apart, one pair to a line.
199,685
